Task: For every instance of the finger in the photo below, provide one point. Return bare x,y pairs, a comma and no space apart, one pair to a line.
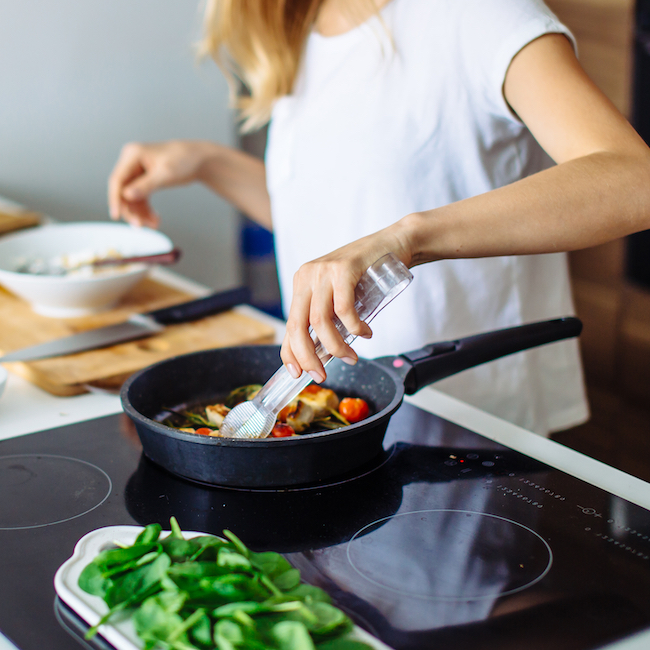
299,347
299,355
139,213
345,308
322,318
142,186
127,167
289,359
342,282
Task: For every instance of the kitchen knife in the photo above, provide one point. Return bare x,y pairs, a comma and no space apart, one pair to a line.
137,326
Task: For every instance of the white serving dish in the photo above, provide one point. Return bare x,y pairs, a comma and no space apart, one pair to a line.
121,634
77,295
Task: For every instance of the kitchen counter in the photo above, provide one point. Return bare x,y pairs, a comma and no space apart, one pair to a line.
25,408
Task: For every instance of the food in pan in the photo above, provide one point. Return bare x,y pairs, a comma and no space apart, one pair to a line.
315,409
207,592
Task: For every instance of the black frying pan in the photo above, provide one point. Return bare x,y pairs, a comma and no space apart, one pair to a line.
207,376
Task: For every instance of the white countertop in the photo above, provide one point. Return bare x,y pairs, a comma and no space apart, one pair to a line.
24,409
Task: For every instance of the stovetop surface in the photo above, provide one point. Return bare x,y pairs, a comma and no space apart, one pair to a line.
448,540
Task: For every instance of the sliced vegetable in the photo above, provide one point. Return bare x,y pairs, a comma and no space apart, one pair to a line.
298,415
323,400
216,413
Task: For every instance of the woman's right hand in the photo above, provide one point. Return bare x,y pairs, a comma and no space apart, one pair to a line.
143,168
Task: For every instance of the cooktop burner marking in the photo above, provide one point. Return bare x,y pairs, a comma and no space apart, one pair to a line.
431,549
41,490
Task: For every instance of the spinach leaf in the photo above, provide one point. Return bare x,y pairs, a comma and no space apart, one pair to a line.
234,560
92,580
309,593
206,547
157,618
137,582
329,619
237,543
288,580
228,635
273,564
178,549
252,607
201,632
151,533
292,635
196,570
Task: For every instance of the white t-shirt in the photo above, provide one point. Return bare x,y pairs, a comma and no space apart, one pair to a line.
406,113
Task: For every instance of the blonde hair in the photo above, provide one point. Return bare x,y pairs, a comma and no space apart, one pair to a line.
258,43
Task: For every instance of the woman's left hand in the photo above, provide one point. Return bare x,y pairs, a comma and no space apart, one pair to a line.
325,287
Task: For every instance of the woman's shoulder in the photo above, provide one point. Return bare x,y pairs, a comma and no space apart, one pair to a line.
473,33
483,13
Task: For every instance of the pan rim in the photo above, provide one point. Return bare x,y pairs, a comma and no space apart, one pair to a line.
217,441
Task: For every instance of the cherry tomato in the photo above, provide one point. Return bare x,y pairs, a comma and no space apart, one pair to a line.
281,430
204,431
354,409
312,389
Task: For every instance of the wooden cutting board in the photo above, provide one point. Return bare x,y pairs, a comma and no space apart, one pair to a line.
10,221
108,368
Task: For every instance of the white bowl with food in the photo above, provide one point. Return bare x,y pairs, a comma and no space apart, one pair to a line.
77,288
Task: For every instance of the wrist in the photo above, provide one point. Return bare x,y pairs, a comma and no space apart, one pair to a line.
430,235
408,232
209,159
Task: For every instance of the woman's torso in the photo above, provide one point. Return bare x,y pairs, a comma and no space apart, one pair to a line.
405,114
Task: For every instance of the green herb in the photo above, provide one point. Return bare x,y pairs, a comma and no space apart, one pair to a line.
192,417
210,592
338,416
241,394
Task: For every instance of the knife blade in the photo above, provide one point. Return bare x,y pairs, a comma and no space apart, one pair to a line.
135,327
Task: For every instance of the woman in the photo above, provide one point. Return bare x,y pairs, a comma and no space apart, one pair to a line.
429,129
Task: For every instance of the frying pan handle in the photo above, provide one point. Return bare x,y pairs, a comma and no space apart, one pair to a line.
422,367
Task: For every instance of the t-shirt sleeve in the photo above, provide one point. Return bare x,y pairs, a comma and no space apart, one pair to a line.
492,32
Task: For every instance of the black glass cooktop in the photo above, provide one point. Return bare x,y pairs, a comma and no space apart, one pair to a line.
448,540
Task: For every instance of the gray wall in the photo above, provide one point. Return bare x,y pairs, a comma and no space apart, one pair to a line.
78,78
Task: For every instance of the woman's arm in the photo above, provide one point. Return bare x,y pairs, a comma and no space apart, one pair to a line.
599,191
144,168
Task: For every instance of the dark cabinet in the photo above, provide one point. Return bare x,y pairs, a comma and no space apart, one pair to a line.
638,245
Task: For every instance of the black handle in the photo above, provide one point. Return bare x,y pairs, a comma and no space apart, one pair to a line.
195,309
422,367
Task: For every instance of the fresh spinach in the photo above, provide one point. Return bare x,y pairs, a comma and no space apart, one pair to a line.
209,592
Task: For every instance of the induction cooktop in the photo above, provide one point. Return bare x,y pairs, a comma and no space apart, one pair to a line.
446,540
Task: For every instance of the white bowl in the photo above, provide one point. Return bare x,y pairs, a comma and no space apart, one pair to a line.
76,295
